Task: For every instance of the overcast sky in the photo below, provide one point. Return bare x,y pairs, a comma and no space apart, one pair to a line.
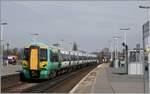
91,24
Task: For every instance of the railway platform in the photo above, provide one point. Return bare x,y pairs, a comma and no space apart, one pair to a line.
105,79
10,69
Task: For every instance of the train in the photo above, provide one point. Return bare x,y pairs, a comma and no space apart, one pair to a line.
39,61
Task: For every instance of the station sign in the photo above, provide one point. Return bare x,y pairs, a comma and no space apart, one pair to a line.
146,42
146,29
146,36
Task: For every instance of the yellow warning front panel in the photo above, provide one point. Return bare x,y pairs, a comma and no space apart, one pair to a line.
34,59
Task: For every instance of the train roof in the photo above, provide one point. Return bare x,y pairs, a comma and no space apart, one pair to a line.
56,49
64,51
41,45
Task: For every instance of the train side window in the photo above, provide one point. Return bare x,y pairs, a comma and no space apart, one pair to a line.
67,57
80,57
63,56
76,58
72,58
54,57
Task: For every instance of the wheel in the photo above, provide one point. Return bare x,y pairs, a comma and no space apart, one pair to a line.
54,74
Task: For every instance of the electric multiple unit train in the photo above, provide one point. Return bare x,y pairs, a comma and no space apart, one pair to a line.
42,62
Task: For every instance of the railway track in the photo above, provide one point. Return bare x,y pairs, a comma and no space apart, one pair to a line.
60,84
12,84
67,85
9,81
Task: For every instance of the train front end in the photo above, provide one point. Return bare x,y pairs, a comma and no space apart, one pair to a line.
35,61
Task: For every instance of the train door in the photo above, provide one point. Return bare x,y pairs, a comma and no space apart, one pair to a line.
34,58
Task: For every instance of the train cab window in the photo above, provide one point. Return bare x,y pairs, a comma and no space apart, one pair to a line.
26,54
54,57
43,54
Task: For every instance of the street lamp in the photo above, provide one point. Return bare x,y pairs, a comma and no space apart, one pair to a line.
116,50
111,50
1,31
125,34
62,40
145,7
126,47
116,45
56,44
70,43
1,41
34,37
7,44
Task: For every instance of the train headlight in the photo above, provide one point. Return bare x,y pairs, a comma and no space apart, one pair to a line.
24,63
44,65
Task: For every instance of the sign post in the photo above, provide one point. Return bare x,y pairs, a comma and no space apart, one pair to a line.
146,47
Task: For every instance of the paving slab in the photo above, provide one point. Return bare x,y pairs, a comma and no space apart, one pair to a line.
86,84
109,80
10,69
123,83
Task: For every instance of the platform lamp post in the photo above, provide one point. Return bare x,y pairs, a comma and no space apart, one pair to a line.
35,37
62,40
147,16
1,42
111,50
71,45
124,44
56,44
116,49
126,56
116,46
7,44
145,7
